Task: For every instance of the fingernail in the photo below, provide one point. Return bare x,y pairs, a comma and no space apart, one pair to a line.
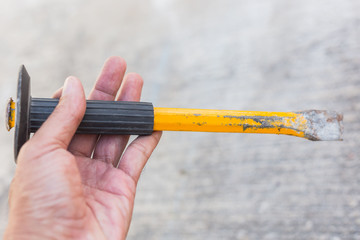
68,86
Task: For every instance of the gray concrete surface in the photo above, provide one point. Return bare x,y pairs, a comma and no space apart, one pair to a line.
276,55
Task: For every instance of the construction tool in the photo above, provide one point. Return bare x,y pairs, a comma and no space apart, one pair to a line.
141,118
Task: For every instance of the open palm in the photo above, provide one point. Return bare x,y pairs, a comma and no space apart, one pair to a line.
80,187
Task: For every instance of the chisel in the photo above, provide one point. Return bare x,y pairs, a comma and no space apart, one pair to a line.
141,118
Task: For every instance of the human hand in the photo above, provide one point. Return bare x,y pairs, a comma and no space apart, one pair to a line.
69,187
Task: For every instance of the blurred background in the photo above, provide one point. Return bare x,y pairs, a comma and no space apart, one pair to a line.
265,55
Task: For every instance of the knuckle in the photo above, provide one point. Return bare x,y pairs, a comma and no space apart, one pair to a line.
142,149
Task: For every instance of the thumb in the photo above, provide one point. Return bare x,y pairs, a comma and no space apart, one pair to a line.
61,125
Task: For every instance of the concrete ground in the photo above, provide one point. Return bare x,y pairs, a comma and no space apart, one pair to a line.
275,55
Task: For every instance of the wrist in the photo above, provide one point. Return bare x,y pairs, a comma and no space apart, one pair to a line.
23,229
38,229
16,233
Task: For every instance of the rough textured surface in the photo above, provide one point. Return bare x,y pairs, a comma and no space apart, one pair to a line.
274,55
324,125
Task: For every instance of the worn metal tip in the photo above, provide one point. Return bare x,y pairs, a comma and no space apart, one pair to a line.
323,125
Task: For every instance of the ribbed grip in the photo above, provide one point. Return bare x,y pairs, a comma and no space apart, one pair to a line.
101,117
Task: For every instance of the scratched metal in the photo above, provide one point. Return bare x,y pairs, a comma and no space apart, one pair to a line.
266,122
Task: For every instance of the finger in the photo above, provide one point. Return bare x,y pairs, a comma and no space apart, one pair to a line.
105,88
57,93
109,148
137,154
59,128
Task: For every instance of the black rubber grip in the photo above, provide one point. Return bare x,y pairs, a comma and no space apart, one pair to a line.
101,117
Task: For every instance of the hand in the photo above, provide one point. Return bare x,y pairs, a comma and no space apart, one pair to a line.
82,186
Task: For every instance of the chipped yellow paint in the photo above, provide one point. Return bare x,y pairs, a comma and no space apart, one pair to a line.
200,120
10,114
